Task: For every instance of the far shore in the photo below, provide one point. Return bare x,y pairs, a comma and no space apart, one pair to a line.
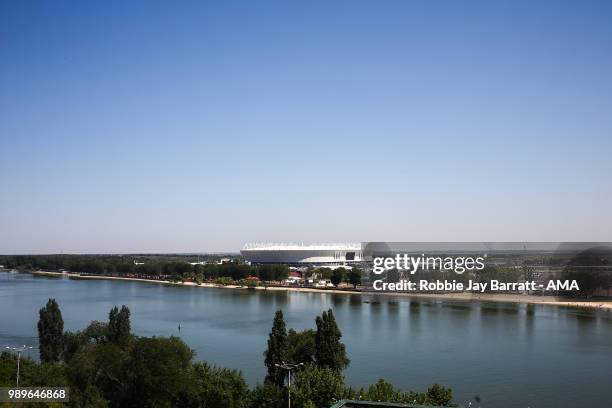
459,296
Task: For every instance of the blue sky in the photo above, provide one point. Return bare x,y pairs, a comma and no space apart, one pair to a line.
198,126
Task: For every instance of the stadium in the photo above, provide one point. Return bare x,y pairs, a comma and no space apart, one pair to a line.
301,254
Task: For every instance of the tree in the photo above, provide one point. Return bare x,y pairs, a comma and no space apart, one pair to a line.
392,275
277,350
590,269
50,332
156,372
324,273
97,371
268,395
271,272
330,351
337,276
354,277
317,386
96,332
301,346
119,325
219,387
382,391
71,344
439,395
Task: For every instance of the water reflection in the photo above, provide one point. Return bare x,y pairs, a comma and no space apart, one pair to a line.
338,300
354,300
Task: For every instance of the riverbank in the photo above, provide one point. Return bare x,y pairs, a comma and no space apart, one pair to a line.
458,296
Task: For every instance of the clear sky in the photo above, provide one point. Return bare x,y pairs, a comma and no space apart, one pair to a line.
199,126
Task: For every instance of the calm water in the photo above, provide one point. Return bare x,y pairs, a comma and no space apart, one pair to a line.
509,355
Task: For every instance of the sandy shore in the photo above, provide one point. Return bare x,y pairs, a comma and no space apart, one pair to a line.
460,296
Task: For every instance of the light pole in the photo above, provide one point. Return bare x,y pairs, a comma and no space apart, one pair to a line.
288,367
19,350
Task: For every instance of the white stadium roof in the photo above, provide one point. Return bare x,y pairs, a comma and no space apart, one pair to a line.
270,246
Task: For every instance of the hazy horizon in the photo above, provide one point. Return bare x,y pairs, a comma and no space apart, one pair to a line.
156,127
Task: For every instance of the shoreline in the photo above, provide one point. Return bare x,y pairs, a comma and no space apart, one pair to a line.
458,296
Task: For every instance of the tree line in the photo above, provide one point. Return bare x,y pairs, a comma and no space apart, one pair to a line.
106,365
171,267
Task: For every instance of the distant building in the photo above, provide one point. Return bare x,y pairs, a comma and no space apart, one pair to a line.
302,255
323,283
294,278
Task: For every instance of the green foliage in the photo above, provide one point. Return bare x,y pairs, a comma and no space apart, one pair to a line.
96,332
590,269
338,275
301,346
439,395
151,372
119,325
277,350
268,395
324,273
50,332
224,280
384,391
32,373
248,283
8,369
316,386
500,273
393,275
199,278
271,272
354,277
589,280
175,268
156,371
90,397
330,351
97,373
106,364
219,387
48,374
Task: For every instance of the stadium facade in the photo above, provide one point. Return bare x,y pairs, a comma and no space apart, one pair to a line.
302,255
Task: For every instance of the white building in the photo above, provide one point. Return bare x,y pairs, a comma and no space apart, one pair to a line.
301,254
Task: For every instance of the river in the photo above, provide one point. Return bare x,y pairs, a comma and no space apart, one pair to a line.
509,355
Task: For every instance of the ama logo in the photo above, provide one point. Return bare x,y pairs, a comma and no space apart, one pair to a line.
557,285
